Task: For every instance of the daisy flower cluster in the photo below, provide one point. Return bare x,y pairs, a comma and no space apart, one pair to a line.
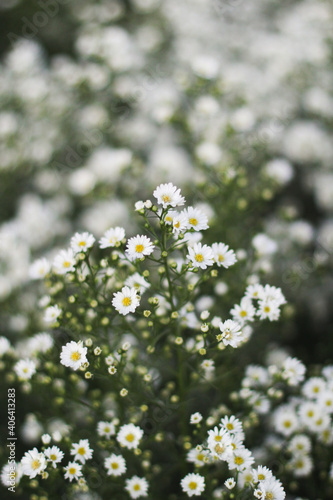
226,443
127,305
300,414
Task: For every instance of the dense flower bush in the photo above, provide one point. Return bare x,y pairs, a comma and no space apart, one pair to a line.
179,345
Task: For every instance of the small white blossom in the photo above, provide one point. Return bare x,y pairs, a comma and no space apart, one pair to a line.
112,237
73,355
126,301
168,195
81,242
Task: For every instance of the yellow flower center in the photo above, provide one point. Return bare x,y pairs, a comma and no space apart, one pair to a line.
287,423
221,258
239,460
106,429
35,464
82,244
127,301
130,438
166,198
67,264
218,438
261,477
199,257
219,449
243,314
139,248
201,456
168,218
269,496
72,470
193,222
114,465
267,309
75,356
316,389
310,413
177,224
230,426
136,487
53,457
193,485
81,451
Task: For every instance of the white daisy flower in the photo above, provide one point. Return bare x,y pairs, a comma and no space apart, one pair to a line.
320,424
261,473
73,355
33,463
64,262
200,255
223,256
138,247
138,282
126,301
106,429
198,457
285,420
240,460
259,492
25,368
254,291
301,465
168,195
195,418
73,471
52,313
309,411
219,443
129,436
268,309
82,451
300,445
137,487
112,237
54,455
195,219
255,376
41,342
115,465
179,224
272,293
293,371
273,489
230,483
81,242
233,425
231,333
325,401
313,387
193,484
10,473
244,311
39,269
